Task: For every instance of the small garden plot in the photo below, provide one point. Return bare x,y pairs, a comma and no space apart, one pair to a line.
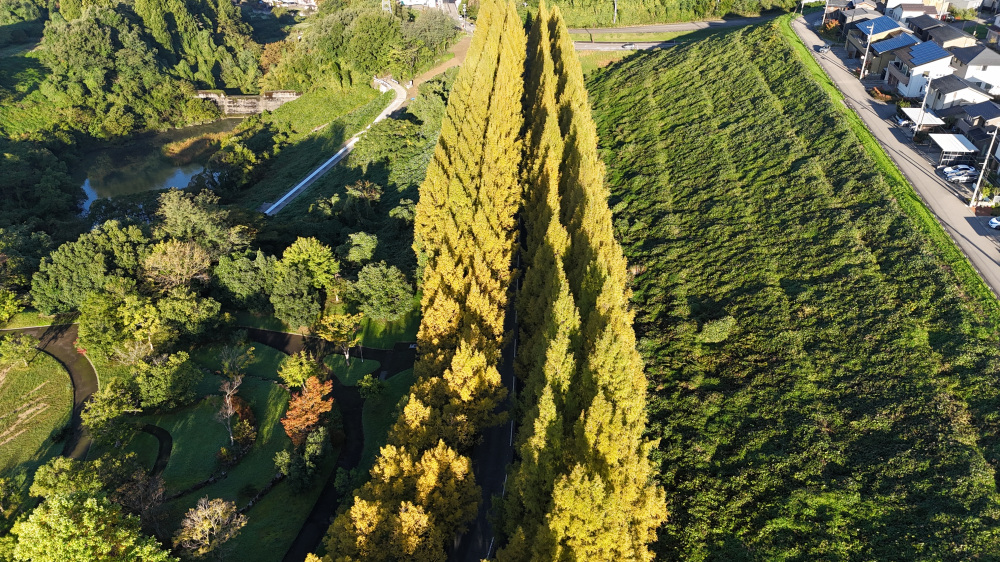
36,401
349,375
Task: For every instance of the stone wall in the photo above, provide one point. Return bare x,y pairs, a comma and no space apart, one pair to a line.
247,105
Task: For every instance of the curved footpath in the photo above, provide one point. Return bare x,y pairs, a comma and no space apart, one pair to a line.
347,398
346,149
166,445
58,341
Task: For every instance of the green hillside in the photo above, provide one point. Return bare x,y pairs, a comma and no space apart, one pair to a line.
821,384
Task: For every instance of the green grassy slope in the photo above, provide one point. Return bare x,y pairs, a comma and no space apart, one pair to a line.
822,376
34,401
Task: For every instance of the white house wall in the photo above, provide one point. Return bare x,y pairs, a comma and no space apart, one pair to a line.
917,83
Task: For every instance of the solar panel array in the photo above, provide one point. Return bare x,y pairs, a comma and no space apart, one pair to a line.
901,40
878,25
927,52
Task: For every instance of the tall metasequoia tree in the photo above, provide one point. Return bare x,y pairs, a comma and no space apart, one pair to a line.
422,489
581,444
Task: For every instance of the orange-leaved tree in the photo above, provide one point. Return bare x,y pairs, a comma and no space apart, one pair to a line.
306,410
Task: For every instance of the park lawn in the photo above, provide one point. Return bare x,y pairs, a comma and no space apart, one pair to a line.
822,370
265,365
349,375
108,369
261,321
144,445
35,401
385,335
592,60
33,318
197,439
378,415
307,149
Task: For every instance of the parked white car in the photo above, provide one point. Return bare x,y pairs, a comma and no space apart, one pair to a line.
959,169
995,223
903,121
962,178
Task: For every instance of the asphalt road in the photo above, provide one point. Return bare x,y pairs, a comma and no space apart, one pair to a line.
490,459
620,46
58,341
946,200
345,149
675,27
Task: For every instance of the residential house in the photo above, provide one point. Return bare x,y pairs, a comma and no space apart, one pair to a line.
881,53
903,12
914,64
983,116
978,64
847,19
948,37
967,4
861,37
950,90
921,26
834,6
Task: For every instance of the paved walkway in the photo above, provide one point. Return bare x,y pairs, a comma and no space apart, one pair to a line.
675,27
345,149
58,341
460,49
947,201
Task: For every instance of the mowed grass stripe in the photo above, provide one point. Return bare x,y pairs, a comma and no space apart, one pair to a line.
847,410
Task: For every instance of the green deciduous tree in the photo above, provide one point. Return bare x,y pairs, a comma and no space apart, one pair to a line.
77,528
166,382
382,292
297,368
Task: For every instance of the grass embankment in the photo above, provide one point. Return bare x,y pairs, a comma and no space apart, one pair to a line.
965,273
822,373
337,114
592,60
379,413
35,401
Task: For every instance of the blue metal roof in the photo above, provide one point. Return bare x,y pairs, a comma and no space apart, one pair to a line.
901,40
927,52
878,25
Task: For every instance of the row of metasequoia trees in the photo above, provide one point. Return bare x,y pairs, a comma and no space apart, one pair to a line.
583,486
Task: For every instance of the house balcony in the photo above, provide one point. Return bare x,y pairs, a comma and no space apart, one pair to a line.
898,74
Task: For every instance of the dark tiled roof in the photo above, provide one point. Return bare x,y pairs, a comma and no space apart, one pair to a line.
947,33
986,110
977,134
924,22
977,55
951,83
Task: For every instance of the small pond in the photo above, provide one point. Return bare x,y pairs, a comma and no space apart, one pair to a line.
149,162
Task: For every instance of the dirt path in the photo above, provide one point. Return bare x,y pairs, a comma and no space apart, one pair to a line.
460,49
58,341
349,401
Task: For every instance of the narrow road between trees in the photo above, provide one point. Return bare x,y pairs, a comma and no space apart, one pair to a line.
58,341
345,149
491,457
947,201
347,398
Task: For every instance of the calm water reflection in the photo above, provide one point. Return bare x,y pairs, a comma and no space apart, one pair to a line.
142,166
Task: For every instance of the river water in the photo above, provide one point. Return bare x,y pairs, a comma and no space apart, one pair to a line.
141,164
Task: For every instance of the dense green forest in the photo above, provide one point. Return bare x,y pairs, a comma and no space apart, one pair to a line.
592,13
821,385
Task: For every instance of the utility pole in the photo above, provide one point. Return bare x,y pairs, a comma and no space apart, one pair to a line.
614,19
986,163
920,116
864,60
826,7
